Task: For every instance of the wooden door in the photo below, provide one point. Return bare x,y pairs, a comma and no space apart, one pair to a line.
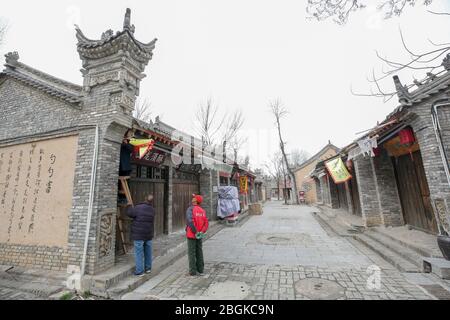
181,199
342,196
354,192
140,188
414,192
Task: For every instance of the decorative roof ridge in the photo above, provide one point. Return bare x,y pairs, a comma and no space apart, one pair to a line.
14,65
317,154
53,91
109,36
434,82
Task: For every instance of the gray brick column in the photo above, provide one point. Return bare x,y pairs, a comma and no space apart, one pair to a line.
169,197
368,196
349,198
432,161
318,190
334,198
386,186
206,191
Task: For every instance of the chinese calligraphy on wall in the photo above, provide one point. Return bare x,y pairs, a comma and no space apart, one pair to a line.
36,184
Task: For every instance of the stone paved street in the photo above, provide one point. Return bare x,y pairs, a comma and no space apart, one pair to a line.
283,254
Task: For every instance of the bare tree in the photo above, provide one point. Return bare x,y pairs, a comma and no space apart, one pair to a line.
340,10
275,169
279,111
298,157
429,61
220,130
235,145
142,110
208,124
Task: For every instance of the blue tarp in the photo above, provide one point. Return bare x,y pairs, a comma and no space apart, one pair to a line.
228,201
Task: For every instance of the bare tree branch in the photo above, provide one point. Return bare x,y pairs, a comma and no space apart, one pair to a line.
340,10
207,123
439,13
3,29
142,111
297,157
275,169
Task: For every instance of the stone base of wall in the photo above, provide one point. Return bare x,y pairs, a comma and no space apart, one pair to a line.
393,220
48,258
372,220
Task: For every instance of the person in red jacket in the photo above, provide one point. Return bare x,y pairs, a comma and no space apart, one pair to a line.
196,226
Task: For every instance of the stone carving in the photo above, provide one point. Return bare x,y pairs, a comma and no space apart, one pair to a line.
446,62
121,99
127,21
107,35
12,58
306,186
403,94
106,235
442,214
104,78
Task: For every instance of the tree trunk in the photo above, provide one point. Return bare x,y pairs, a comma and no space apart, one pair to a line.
291,174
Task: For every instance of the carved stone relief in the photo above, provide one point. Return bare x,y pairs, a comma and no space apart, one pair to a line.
106,235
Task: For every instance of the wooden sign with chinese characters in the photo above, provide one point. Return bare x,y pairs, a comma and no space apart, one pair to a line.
36,184
243,183
152,158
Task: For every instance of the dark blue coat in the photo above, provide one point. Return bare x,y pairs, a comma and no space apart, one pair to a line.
142,227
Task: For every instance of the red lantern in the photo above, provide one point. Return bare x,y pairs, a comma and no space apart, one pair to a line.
376,151
406,136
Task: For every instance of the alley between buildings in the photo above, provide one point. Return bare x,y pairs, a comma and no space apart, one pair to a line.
285,253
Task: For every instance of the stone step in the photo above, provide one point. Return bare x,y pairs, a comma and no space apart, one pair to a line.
391,256
420,250
407,253
131,282
331,224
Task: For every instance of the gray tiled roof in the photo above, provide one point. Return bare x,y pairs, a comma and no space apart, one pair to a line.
53,86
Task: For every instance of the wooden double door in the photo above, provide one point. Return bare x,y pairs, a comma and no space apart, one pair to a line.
140,188
181,200
414,192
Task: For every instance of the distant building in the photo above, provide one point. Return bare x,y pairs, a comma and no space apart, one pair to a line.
302,173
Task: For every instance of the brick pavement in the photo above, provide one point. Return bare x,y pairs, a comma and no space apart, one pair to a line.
282,254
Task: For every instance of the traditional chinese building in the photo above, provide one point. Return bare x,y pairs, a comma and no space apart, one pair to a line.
400,168
304,182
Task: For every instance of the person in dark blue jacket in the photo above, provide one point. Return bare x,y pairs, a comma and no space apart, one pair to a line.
126,149
142,231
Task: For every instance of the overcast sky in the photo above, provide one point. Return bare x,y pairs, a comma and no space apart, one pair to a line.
240,53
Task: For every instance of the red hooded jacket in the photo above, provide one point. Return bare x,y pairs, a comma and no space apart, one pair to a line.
196,221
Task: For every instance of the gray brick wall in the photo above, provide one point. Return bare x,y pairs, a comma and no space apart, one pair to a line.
387,192
432,162
28,113
368,196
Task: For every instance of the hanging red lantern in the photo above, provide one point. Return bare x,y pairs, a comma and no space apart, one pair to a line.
406,136
376,151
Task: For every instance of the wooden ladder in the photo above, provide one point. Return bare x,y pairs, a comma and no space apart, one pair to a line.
125,190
